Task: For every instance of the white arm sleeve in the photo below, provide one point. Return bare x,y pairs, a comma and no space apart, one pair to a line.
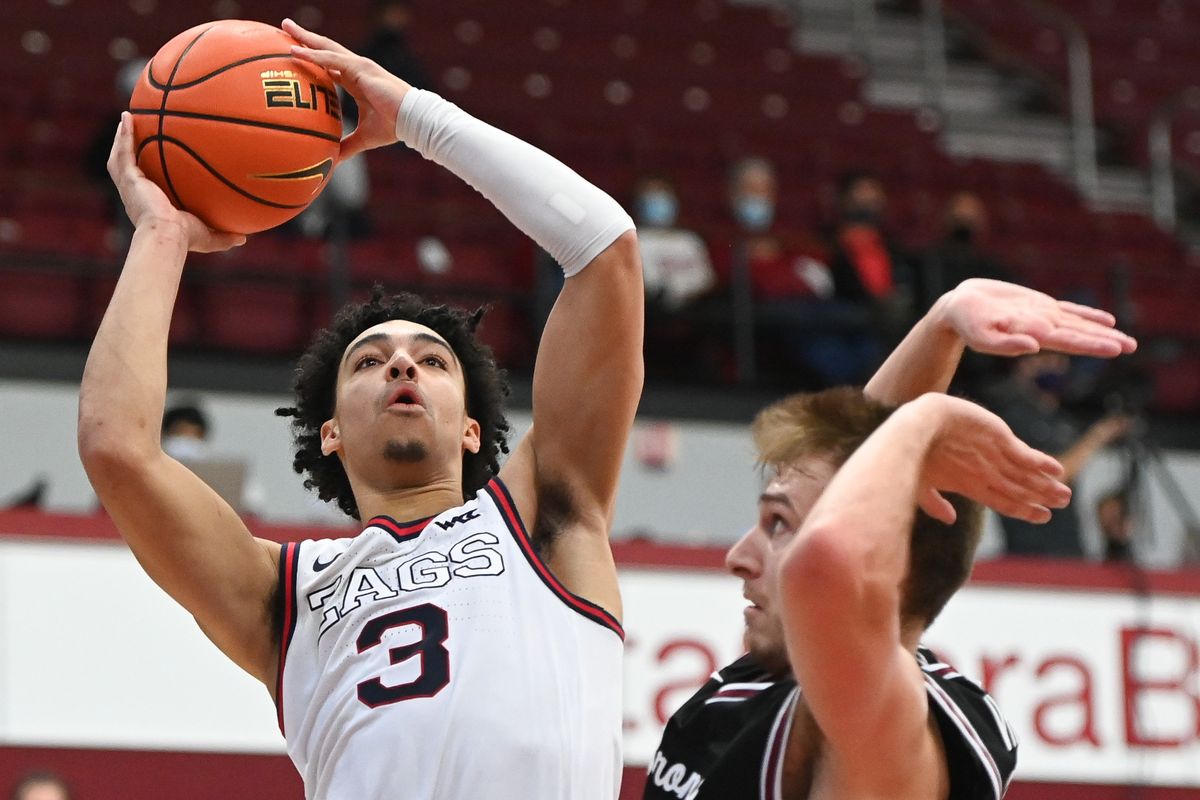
567,216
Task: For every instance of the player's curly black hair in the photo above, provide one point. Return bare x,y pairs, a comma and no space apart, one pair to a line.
316,384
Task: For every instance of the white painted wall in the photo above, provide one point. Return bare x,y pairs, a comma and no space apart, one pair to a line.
92,654
705,494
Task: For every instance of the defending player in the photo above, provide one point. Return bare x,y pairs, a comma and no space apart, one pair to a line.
467,643
835,698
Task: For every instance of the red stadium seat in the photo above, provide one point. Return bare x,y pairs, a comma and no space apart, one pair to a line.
253,318
41,305
617,91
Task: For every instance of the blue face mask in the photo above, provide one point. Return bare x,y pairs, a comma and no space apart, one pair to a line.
657,209
754,213
1051,381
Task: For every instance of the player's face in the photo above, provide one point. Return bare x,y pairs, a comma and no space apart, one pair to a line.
782,507
400,416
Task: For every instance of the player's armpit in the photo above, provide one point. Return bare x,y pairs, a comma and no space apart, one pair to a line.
570,537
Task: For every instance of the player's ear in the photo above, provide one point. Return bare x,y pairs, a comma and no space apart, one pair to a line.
471,436
331,437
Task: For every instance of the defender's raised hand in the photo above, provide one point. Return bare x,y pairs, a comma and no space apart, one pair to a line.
1004,319
377,92
975,454
996,318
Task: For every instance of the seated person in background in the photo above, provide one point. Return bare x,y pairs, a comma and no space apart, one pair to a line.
388,44
185,431
679,281
780,264
826,341
95,159
185,437
675,260
956,257
1030,401
340,212
959,254
868,267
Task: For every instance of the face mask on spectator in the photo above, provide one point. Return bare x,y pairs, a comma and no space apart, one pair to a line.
862,216
754,213
1051,380
184,448
657,209
961,233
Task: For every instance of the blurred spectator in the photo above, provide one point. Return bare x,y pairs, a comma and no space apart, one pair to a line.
675,260
388,44
956,257
185,432
780,265
960,253
41,786
340,211
826,341
96,157
676,270
868,267
1116,526
185,437
679,280
1030,401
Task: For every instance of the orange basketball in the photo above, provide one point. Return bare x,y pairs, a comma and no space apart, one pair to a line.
233,128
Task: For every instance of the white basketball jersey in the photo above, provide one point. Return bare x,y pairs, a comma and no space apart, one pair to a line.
440,659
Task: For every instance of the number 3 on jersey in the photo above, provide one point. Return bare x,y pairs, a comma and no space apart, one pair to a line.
435,659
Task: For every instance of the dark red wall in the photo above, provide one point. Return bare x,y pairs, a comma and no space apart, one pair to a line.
152,775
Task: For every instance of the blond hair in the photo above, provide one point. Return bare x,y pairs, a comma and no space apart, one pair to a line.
831,425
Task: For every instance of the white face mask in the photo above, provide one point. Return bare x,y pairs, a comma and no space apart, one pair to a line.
184,447
753,212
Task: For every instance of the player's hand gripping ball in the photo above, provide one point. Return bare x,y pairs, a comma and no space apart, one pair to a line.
233,128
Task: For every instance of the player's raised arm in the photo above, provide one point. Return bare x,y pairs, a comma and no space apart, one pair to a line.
188,539
589,370
996,318
851,637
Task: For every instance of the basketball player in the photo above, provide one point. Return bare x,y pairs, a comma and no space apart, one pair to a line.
467,643
835,698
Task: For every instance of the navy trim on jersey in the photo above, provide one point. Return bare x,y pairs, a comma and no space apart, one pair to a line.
508,509
289,563
400,531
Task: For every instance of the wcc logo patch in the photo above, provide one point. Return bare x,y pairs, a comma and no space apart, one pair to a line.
466,516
